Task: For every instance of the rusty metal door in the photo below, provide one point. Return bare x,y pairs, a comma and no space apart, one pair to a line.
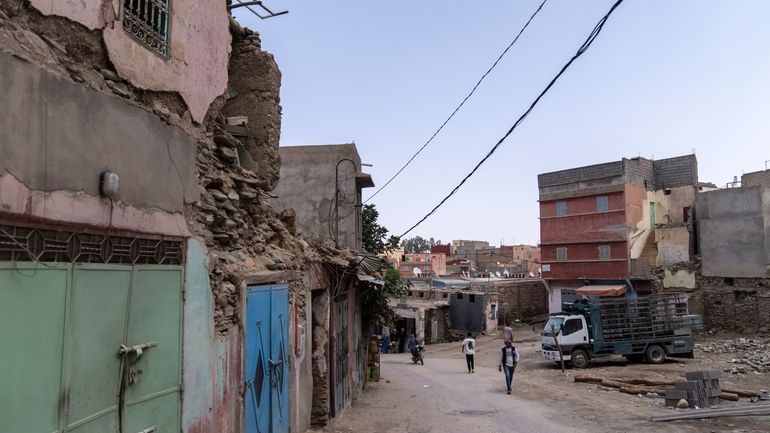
341,350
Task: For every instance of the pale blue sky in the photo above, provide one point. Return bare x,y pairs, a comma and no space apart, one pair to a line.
664,77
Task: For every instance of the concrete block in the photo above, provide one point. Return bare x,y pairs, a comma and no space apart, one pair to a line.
675,394
688,385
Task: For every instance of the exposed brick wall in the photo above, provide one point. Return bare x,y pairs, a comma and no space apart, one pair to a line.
520,300
580,174
736,304
678,171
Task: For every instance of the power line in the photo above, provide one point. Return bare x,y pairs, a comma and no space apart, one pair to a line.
583,48
461,104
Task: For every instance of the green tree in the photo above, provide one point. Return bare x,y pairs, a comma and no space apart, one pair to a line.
418,244
375,237
375,299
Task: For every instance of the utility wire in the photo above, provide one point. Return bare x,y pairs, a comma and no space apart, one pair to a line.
583,48
459,106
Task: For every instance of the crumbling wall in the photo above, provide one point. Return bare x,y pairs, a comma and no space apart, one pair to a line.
255,81
320,316
196,66
522,300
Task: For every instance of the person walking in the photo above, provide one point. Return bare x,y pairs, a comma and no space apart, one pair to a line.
469,349
509,359
508,332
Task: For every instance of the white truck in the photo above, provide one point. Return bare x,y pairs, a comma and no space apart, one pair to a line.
646,328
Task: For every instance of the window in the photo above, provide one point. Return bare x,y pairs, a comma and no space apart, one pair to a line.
472,298
686,213
546,267
561,208
553,326
602,204
421,294
459,296
409,293
443,295
561,254
148,22
604,252
571,326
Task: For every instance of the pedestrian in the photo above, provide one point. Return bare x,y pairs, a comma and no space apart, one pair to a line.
401,340
385,339
509,359
508,332
469,349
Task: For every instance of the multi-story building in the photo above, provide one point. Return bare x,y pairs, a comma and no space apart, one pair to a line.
610,223
466,249
422,264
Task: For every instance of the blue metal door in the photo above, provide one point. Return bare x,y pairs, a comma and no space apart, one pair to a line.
267,361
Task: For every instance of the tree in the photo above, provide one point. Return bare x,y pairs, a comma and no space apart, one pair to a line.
418,244
375,237
375,299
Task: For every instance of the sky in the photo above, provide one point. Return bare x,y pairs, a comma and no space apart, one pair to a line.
664,78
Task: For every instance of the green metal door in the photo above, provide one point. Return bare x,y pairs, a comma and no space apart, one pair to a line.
92,348
152,380
32,305
96,327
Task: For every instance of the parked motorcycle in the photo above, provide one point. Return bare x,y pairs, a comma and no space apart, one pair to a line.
417,353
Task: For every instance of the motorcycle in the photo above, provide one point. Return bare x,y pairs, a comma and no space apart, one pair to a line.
417,353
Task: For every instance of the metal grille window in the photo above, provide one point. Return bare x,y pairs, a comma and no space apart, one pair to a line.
604,252
561,208
148,22
561,254
602,204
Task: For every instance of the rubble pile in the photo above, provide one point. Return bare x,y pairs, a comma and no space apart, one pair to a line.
753,355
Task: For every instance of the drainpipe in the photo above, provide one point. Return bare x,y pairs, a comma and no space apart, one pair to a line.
631,289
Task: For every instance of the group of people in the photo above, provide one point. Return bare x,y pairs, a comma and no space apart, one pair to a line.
410,341
509,356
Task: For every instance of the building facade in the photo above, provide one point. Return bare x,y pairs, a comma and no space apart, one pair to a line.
613,222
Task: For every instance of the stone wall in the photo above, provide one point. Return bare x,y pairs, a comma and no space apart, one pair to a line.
519,300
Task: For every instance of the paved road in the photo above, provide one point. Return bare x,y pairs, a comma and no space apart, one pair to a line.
441,397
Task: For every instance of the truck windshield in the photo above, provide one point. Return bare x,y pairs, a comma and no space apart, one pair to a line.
554,323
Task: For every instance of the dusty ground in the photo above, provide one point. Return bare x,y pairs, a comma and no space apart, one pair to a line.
545,399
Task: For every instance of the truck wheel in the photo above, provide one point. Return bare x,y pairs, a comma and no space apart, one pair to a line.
580,358
655,354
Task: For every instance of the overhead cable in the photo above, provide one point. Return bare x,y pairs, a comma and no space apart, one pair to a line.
583,48
500,57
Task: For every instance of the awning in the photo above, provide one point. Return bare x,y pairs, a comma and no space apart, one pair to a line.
370,279
602,290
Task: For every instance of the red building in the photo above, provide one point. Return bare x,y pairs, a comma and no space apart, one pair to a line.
446,249
598,223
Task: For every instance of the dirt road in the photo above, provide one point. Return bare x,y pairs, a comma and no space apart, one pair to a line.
442,397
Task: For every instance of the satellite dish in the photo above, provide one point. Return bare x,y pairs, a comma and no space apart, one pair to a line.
531,274
506,273
416,271
497,274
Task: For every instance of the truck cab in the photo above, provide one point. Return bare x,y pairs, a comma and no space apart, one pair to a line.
572,332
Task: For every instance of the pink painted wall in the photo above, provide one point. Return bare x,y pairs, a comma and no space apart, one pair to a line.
77,208
199,48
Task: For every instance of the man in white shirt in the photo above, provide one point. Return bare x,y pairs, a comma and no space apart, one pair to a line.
508,332
509,359
469,349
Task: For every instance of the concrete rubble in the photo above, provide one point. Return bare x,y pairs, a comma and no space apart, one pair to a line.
752,355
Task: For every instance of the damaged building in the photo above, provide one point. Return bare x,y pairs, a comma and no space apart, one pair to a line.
612,223
160,289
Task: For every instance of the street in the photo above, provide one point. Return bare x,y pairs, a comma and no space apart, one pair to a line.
442,397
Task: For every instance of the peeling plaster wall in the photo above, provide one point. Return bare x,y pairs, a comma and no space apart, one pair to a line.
680,279
59,135
198,54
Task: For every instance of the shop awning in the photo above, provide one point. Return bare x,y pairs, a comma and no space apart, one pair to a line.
602,290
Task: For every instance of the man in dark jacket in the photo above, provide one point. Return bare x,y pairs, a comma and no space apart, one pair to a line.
509,359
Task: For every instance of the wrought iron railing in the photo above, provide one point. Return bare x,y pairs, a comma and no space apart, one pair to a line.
148,22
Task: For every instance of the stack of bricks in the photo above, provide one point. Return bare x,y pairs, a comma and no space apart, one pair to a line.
701,389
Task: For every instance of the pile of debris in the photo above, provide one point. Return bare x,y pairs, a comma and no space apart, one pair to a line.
753,355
